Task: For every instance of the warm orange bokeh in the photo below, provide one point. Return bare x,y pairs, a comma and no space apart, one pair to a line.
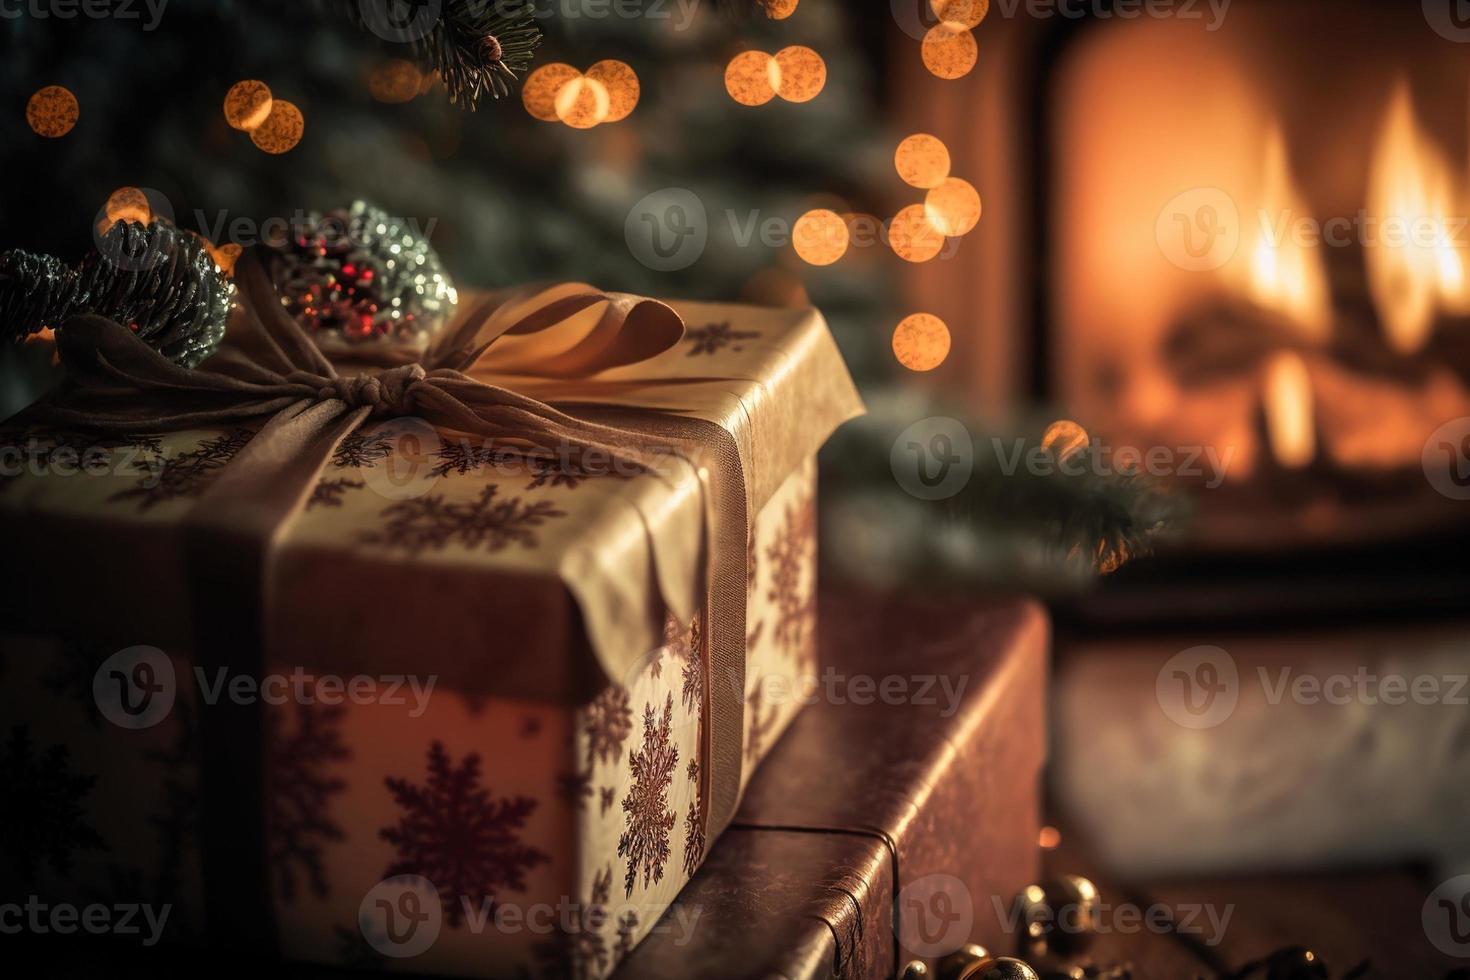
912,237
395,80
752,78
539,92
621,83
802,74
820,237
582,103
949,51
247,104
52,111
960,13
953,208
921,342
922,160
281,130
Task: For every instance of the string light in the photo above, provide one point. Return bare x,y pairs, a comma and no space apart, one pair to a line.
539,92
247,104
922,160
801,73
949,51
921,342
281,130
912,237
396,80
820,237
621,83
966,14
52,111
752,78
582,103
953,208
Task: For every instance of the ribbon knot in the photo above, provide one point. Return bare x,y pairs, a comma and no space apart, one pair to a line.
388,393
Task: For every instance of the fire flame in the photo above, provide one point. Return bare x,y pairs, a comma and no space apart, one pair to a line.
1286,275
1416,266
1289,413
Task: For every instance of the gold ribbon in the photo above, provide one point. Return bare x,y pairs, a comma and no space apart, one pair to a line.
271,369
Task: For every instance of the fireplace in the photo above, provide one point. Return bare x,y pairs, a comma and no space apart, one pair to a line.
1243,237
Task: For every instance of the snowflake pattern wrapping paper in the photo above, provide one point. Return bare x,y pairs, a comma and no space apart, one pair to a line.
548,814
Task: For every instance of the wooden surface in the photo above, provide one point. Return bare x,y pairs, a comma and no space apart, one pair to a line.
1347,919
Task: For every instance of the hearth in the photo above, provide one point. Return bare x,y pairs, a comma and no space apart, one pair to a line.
1247,235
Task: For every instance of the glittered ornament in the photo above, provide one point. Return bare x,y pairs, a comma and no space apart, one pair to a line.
357,276
1004,968
160,282
36,291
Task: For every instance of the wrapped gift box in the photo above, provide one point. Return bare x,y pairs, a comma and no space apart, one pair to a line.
480,699
885,828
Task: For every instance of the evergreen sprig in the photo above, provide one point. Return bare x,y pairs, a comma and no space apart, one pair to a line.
478,47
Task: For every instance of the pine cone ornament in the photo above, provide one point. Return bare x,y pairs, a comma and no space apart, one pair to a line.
36,291
357,276
162,283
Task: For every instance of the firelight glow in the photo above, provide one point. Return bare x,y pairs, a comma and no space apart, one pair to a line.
1287,403
1286,275
1416,268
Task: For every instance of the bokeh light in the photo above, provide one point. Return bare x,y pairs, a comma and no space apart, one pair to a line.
247,104
802,74
582,103
128,204
395,80
281,130
780,9
52,111
752,78
921,342
922,160
960,13
541,87
621,83
953,208
912,237
1064,439
949,51
820,237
